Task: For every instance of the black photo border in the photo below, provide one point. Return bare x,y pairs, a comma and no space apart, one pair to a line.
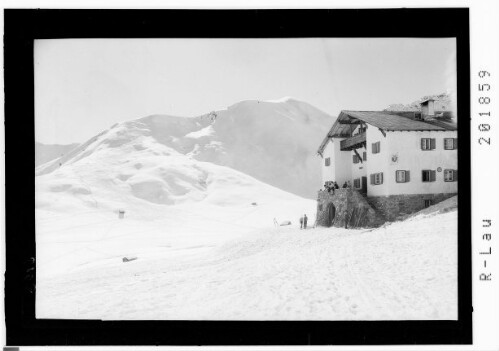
23,26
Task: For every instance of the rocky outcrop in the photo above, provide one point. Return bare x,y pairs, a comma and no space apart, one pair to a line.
395,207
442,101
346,208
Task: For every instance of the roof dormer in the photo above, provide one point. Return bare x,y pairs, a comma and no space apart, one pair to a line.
427,108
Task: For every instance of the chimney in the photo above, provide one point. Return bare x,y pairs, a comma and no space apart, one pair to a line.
428,108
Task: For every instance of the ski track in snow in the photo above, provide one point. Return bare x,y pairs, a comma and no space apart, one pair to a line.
404,271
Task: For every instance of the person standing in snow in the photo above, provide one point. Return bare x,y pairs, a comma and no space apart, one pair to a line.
301,222
305,218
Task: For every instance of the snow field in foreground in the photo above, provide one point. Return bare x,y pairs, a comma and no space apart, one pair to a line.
67,243
404,271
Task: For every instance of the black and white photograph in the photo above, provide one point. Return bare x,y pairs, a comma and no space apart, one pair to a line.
255,179
262,175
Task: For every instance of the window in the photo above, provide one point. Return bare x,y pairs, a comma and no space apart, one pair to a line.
355,159
356,183
320,207
376,147
402,176
328,161
428,175
427,143
450,143
450,175
428,203
364,156
377,178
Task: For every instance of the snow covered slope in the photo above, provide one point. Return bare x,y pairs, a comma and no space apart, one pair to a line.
272,141
171,201
404,271
127,163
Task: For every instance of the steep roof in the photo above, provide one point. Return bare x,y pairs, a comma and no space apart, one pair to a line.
386,120
389,121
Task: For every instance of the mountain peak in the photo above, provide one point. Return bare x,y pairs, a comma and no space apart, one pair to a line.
283,99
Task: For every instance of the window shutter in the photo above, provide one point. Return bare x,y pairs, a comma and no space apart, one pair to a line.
455,175
422,143
372,178
455,143
381,178
378,148
432,144
407,176
373,148
432,176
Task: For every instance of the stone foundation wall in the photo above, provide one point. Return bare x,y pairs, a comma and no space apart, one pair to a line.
395,207
352,210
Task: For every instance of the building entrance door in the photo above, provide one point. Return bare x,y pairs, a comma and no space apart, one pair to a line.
331,213
364,185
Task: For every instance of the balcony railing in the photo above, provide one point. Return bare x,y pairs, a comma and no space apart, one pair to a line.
353,142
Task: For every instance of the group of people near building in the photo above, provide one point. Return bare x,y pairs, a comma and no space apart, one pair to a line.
330,186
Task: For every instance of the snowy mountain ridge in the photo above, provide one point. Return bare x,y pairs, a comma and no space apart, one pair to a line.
274,142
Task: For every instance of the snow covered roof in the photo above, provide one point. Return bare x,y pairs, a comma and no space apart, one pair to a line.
386,120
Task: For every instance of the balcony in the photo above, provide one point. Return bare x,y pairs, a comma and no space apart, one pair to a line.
353,142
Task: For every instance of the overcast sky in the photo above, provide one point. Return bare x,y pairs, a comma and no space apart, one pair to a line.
83,86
